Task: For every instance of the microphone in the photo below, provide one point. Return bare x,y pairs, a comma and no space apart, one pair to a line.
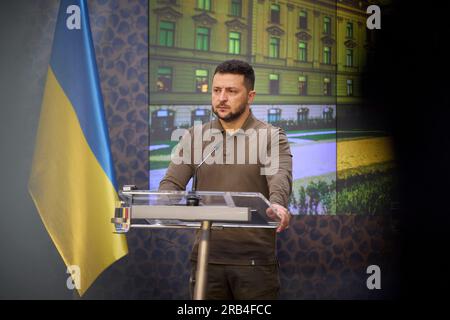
192,198
194,179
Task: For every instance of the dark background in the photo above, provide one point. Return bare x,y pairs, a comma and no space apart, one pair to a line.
409,81
30,266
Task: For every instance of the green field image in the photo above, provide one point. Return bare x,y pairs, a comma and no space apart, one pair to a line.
361,189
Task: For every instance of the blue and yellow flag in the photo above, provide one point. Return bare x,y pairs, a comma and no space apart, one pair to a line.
72,181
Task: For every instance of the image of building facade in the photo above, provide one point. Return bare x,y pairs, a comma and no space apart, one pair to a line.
308,56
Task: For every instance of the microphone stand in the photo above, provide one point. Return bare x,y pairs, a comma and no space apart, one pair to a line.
193,199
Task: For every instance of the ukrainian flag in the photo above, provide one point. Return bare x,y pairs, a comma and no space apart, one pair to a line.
72,180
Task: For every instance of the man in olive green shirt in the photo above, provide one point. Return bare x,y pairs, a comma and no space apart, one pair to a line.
242,261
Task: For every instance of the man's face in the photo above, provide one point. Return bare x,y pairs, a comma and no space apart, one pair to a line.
230,97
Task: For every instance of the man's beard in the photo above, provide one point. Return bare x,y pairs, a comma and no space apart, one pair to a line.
232,115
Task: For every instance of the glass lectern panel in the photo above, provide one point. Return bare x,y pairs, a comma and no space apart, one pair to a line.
151,209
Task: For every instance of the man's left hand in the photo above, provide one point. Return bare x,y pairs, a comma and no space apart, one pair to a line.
280,213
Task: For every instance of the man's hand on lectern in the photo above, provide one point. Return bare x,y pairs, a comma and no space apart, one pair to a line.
279,213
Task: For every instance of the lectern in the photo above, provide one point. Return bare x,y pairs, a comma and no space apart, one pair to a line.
174,209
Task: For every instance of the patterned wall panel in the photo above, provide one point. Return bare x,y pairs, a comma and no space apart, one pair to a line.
321,257
120,34
326,257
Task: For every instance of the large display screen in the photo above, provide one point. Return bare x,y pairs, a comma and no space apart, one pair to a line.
309,61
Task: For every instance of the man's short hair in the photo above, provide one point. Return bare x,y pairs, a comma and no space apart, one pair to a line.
238,67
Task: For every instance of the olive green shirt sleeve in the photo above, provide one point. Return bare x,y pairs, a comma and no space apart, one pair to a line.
176,178
280,183
178,174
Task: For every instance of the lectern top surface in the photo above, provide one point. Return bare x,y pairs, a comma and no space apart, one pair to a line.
156,204
207,198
